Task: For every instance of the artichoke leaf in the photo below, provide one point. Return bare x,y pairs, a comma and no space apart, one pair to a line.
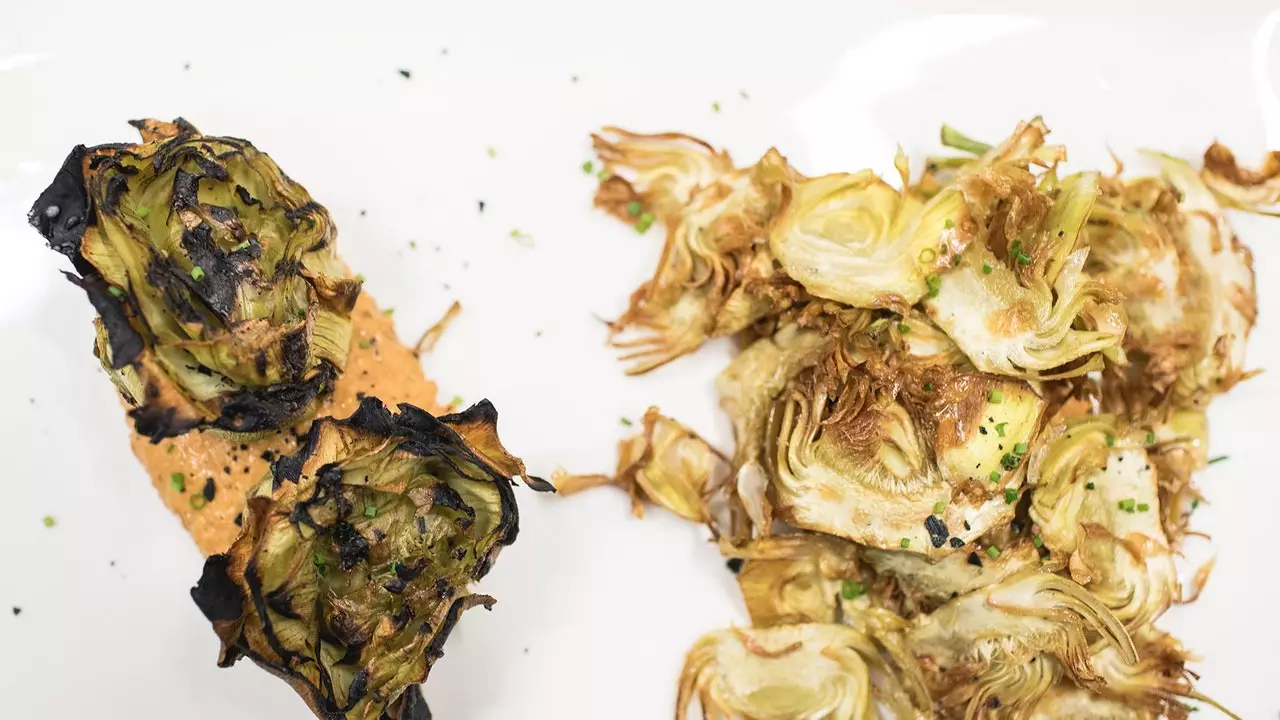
662,171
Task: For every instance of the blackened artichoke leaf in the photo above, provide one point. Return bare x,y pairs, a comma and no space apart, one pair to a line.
356,555
221,300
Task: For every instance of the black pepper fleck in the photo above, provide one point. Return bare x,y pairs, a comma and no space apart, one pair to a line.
17,611
966,525
226,469
937,530
406,74
734,565
480,203
982,429
239,521
957,542
209,489
974,559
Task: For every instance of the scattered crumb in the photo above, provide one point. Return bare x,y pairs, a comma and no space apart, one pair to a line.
186,66
715,107
18,611
363,212
413,244
574,78
493,152
480,203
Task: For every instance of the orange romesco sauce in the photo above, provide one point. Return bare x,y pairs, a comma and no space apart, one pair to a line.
379,365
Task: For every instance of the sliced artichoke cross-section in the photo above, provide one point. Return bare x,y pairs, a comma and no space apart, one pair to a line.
922,459
356,555
221,300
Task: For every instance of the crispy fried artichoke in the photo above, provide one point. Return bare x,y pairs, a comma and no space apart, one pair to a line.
221,302
967,412
356,555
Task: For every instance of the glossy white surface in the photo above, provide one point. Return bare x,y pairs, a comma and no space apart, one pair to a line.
596,608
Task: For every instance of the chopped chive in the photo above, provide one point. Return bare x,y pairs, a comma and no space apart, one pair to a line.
927,255
588,167
178,482
1035,540
1143,507
904,328
370,511
644,223
995,397
197,501
1151,437
197,273
241,246
1008,461
905,543
171,448
1010,496
928,387
1090,486
935,284
993,552
1023,258
1000,428
492,152
1020,448
1195,503
626,421
939,507
986,269
365,344
994,476
1127,505
359,278
947,224
850,589
1111,440
413,244
634,208
115,291
602,174
456,401
49,521
715,107
1218,459
389,311
143,211
321,566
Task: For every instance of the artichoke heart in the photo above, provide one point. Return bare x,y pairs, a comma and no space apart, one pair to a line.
794,671
716,276
221,301
356,554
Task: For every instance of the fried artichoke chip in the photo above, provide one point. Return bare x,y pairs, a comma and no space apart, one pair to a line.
221,301
854,239
1020,304
795,671
1097,503
798,578
747,389
1133,234
662,171
1252,190
1180,448
356,554
1157,681
934,582
716,276
667,464
898,455
1005,640
1230,303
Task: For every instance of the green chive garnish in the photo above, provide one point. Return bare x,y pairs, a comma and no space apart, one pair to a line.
1010,496
904,328
634,208
370,511
1127,505
993,552
49,521
994,476
1090,486
1151,437
178,482
995,397
197,273
850,589
197,501
935,284
588,167
626,421
1020,448
986,269
1035,540
1218,459
947,224
939,507
644,223
143,211
1143,507
1000,428
905,543
115,291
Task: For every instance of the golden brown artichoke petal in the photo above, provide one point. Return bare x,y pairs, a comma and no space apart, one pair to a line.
667,464
1234,186
797,578
715,276
793,671
221,301
1158,681
1030,615
356,555
662,171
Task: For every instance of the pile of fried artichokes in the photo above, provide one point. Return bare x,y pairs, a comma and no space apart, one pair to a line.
967,414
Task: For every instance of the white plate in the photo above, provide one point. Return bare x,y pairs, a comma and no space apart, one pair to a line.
596,609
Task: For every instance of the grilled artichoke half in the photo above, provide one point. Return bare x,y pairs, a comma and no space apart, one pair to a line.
356,554
221,301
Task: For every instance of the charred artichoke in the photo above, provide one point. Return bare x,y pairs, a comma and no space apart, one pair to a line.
221,302
357,552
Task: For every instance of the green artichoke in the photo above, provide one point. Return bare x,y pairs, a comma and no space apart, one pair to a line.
356,553
221,300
